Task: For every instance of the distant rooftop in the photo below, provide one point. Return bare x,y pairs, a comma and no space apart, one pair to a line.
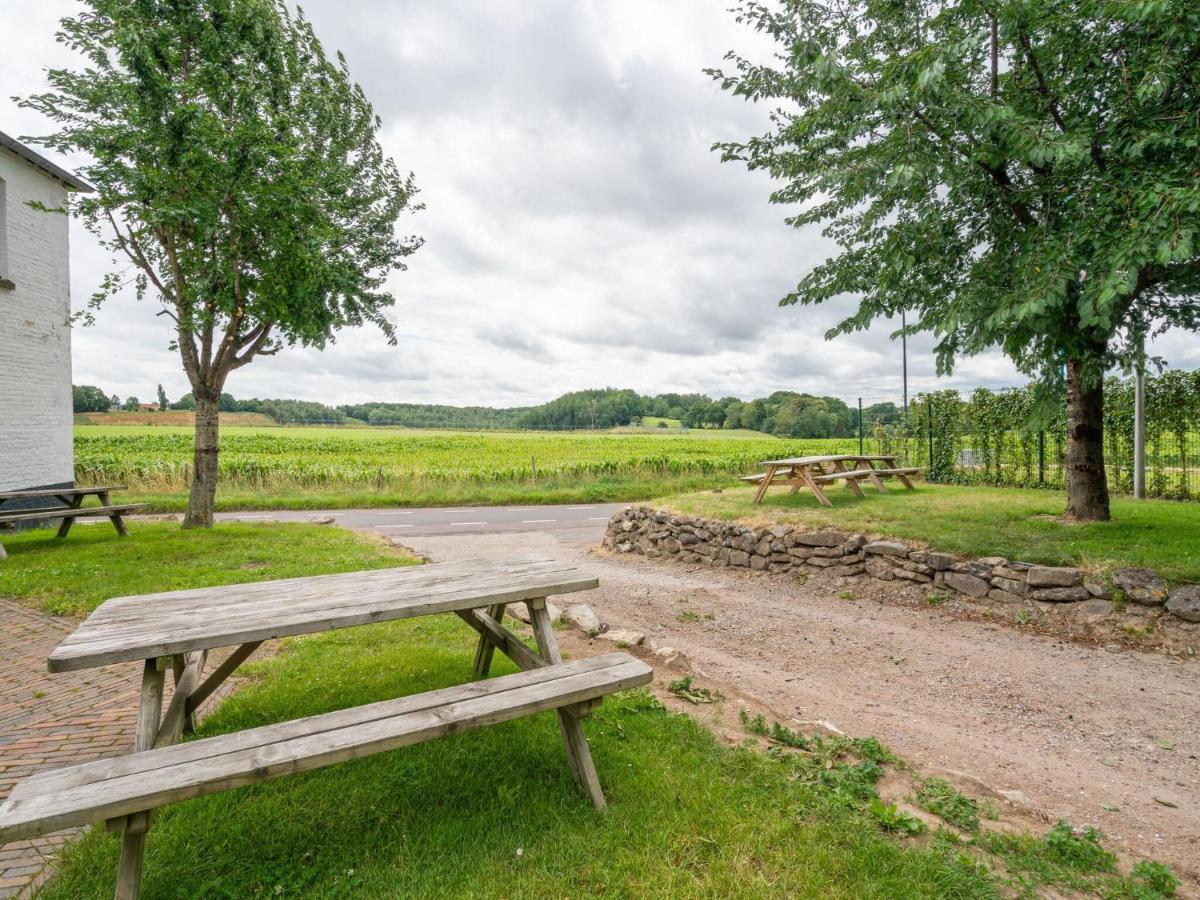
70,179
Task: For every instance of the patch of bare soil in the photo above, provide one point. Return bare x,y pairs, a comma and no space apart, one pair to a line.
1047,728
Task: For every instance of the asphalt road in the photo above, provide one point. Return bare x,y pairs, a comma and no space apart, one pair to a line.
399,523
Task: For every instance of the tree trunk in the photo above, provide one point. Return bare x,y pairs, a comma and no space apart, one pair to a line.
1087,482
203,495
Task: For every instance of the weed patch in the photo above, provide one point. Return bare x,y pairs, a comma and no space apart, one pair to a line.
935,795
684,690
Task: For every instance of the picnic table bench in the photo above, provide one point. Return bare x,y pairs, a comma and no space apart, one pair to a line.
814,471
70,507
177,629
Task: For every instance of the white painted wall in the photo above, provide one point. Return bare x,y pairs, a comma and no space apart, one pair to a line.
35,340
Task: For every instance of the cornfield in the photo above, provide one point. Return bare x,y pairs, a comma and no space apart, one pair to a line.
154,460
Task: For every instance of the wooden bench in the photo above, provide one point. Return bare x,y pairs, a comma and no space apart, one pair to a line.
112,790
176,629
68,515
72,508
812,472
860,474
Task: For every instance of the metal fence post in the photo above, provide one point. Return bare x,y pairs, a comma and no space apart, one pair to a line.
929,423
860,427
1041,457
1139,428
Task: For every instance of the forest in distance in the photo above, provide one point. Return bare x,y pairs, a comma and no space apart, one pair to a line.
783,413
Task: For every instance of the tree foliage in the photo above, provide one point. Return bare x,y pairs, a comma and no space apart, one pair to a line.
1047,201
88,398
238,175
1013,173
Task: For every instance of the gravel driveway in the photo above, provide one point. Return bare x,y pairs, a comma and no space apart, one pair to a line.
1094,736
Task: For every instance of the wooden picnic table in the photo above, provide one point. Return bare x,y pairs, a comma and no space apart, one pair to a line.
813,472
69,509
177,629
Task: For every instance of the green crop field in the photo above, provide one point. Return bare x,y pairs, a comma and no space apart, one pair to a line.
312,467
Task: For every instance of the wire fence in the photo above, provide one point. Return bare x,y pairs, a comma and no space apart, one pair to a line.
1016,438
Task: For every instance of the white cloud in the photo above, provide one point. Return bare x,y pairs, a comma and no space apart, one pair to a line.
579,230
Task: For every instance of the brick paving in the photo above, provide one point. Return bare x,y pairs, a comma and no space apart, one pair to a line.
49,721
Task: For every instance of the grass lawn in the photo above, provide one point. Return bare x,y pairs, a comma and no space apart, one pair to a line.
546,491
494,812
979,521
73,576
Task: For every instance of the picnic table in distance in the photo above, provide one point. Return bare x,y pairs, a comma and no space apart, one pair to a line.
813,472
70,507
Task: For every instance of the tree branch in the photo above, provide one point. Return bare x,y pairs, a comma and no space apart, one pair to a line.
999,173
256,348
136,256
1043,89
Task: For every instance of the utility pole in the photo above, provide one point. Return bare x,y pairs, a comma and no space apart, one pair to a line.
1139,421
904,357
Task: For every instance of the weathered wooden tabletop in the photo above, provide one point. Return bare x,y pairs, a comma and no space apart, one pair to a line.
817,460
179,622
61,492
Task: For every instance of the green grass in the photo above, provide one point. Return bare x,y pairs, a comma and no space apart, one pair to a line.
465,493
1163,535
494,812
935,795
73,576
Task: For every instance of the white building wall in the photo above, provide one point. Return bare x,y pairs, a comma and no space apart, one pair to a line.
35,339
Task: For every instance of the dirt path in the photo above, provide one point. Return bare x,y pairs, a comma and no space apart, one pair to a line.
1074,729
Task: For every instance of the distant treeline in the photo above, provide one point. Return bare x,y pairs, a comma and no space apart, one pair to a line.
783,413
431,415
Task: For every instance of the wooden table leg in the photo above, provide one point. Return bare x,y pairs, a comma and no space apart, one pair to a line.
485,650
852,483
220,673
875,479
188,671
578,752
764,484
118,522
133,839
72,503
814,487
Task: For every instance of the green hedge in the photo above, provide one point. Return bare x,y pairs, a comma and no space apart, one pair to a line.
1017,438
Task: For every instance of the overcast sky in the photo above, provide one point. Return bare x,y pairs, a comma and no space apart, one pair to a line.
580,233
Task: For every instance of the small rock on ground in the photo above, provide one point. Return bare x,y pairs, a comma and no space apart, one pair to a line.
622,637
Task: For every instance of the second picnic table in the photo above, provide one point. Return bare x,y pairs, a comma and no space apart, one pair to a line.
70,507
814,471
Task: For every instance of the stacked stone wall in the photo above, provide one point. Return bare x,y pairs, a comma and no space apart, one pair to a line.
1136,593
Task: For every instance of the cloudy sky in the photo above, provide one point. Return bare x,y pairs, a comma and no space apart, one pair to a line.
580,233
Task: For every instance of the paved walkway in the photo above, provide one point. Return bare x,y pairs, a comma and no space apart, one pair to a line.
49,721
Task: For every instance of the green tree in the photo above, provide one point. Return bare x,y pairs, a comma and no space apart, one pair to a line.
237,169
1015,173
87,398
131,404
163,402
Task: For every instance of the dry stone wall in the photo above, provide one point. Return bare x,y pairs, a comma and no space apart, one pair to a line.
993,580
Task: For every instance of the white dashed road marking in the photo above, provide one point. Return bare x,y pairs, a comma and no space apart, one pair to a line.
456,524
536,521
